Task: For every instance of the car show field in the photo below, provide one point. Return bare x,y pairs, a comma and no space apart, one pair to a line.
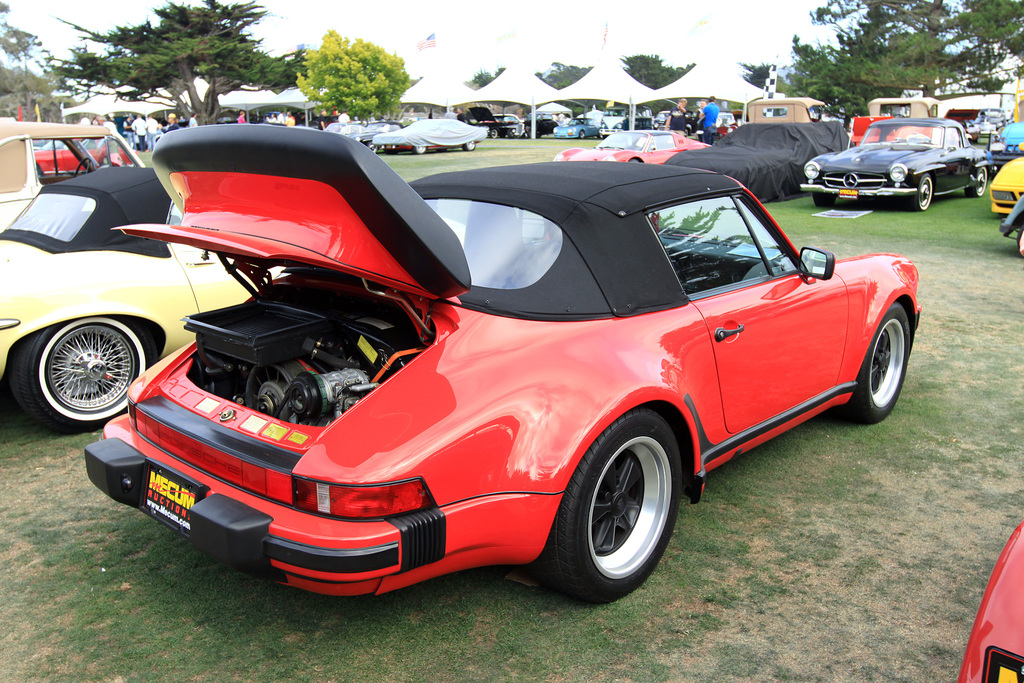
832,552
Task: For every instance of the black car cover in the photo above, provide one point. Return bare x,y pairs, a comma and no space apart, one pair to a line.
768,158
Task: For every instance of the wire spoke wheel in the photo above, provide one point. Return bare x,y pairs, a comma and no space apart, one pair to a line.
90,367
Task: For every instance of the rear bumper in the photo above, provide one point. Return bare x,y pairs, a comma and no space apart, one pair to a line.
240,536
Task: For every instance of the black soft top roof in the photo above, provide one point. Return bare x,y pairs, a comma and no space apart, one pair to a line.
611,261
123,196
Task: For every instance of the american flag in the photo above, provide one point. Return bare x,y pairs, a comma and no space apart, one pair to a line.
429,41
605,41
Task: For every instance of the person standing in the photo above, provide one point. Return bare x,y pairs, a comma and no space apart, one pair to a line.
139,126
343,119
241,117
152,128
193,121
172,122
676,120
710,113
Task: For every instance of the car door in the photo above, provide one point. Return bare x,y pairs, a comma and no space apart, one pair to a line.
956,160
778,337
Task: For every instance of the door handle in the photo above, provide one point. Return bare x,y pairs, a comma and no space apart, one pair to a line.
721,334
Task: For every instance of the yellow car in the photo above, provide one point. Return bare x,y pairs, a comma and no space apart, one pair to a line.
33,155
85,308
1008,186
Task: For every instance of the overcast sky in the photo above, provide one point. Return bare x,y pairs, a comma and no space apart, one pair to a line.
526,33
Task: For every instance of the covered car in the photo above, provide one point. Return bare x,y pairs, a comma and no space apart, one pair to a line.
36,154
910,159
767,157
85,308
511,365
651,147
430,134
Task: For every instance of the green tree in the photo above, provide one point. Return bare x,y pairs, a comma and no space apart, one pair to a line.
212,41
560,75
927,45
358,76
20,84
652,71
482,78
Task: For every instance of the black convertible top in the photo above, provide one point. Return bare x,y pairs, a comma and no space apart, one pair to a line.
611,263
767,157
123,195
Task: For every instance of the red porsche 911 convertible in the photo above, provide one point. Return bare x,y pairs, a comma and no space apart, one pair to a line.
514,365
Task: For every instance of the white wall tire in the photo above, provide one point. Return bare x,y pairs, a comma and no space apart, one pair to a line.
74,376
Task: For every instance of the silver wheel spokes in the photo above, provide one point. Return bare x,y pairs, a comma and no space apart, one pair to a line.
90,368
887,363
629,508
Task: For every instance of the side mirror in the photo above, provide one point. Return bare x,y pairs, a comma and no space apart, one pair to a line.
817,263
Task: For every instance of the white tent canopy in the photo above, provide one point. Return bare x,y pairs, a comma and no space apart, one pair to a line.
111,104
444,92
246,99
292,97
516,85
608,81
720,80
554,108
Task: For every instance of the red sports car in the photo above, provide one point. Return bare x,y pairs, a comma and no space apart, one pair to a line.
995,651
512,365
651,147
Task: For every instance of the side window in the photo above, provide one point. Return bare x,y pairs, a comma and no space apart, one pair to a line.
710,245
779,262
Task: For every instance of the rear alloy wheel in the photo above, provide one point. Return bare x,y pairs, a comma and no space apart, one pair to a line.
885,367
581,134
469,146
978,183
922,199
74,376
617,513
419,149
824,199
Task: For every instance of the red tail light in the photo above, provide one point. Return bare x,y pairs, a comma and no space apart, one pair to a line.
263,481
379,500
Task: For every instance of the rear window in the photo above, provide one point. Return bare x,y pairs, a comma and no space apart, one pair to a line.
506,247
59,216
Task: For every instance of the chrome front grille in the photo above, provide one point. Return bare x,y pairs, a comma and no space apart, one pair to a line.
854,181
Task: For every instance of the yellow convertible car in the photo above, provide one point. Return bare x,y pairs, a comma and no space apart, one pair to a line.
85,308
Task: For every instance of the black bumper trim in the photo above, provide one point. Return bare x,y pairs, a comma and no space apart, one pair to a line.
336,560
227,441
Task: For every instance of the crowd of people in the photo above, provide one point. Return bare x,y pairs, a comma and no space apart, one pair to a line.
707,121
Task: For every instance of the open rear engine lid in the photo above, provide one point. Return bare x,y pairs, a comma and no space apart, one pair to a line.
304,196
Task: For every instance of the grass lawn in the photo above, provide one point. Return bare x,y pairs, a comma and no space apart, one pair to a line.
835,552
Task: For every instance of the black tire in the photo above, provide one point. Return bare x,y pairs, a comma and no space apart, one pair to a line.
617,513
824,199
881,376
581,134
922,199
978,183
492,132
469,146
419,149
74,376
636,161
